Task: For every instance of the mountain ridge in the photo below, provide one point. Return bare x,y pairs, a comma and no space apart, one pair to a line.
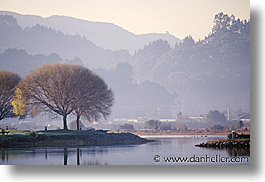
43,40
104,34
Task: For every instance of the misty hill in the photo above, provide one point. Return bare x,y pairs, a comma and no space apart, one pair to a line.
207,74
136,100
104,35
42,40
200,76
131,100
146,59
21,62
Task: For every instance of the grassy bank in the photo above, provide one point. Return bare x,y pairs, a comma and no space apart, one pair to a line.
66,138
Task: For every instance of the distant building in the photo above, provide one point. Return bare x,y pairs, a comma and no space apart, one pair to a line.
167,120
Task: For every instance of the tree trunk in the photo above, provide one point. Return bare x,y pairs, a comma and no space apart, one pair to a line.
64,122
77,122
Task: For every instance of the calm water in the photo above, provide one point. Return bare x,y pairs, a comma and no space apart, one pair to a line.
164,146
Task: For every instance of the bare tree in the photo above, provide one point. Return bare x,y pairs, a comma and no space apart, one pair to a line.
8,82
60,89
93,99
50,88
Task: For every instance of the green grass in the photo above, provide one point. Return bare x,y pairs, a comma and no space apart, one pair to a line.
27,134
15,133
21,132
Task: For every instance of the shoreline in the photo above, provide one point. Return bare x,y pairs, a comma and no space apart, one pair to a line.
228,143
191,132
69,138
178,134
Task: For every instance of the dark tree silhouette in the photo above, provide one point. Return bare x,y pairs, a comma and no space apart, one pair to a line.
8,82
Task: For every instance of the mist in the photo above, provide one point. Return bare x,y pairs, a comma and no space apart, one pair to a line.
152,75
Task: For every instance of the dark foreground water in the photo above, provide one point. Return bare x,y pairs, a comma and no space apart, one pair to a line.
165,150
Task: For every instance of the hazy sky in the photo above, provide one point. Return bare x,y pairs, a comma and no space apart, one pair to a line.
178,17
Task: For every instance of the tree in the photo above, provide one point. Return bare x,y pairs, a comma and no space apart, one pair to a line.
187,42
165,126
19,103
222,21
152,124
56,89
126,127
182,127
216,117
94,99
8,82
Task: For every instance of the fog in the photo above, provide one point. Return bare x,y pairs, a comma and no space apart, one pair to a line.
152,75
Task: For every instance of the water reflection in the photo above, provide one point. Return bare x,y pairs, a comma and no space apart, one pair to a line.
232,152
77,156
4,155
113,155
238,152
65,156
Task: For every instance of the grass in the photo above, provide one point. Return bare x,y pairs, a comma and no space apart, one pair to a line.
48,132
55,138
20,132
64,132
13,134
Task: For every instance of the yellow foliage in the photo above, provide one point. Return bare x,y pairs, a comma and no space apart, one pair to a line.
19,103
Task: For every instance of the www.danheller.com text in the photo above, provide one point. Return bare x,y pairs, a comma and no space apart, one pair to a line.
201,159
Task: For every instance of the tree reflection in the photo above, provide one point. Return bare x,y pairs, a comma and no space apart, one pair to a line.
77,157
65,154
91,155
238,151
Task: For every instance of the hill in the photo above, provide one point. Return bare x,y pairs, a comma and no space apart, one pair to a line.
193,77
42,40
103,34
24,63
211,73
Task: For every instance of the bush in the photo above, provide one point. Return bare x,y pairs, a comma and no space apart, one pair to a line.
126,127
32,133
